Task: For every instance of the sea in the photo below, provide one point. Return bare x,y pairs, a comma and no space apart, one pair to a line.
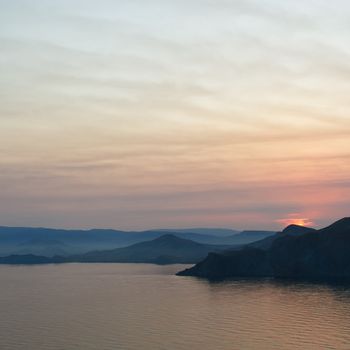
148,307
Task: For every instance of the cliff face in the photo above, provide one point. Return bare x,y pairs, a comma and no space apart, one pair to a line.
322,255
291,230
311,254
248,262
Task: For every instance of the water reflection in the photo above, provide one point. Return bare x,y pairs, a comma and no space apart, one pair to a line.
126,306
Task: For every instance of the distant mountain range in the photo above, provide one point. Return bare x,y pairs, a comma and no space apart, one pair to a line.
220,232
297,252
166,249
50,242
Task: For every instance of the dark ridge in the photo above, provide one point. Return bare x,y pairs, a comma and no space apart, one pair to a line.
297,253
291,230
342,225
297,229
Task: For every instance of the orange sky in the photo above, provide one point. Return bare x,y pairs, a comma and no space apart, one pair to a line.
173,114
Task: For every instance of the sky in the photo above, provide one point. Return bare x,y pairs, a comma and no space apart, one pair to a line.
174,113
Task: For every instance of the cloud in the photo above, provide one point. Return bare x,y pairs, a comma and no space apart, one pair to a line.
217,112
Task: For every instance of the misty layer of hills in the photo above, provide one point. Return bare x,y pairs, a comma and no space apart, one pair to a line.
51,242
166,249
297,253
42,245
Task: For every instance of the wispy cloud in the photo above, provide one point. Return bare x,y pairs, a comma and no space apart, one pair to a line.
221,113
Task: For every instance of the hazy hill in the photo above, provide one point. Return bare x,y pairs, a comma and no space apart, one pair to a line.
45,247
30,259
50,242
239,238
295,253
167,249
220,232
246,237
162,250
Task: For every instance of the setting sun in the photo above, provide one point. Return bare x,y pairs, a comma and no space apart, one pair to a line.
295,221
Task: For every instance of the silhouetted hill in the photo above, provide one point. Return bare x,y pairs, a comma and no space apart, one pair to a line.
295,253
291,230
341,227
296,230
321,255
246,262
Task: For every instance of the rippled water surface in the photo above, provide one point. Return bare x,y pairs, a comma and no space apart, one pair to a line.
126,306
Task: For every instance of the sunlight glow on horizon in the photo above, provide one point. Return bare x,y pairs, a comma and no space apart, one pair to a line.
295,219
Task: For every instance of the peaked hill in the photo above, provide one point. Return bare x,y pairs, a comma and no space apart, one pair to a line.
166,249
50,242
295,253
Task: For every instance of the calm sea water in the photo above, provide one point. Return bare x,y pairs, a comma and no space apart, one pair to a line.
141,307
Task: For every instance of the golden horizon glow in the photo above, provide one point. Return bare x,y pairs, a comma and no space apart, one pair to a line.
292,220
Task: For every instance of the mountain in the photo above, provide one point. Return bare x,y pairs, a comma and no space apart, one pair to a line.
291,230
245,262
296,230
296,252
246,237
42,247
30,259
167,249
162,250
49,242
321,255
15,239
220,232
197,237
239,238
